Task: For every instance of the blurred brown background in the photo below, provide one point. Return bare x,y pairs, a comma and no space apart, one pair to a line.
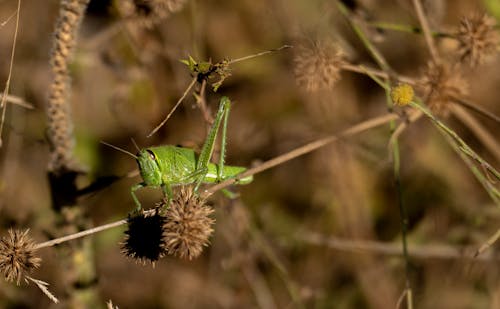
265,251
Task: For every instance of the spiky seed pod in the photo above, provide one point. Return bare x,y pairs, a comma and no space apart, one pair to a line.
17,255
317,65
188,226
440,84
478,39
144,238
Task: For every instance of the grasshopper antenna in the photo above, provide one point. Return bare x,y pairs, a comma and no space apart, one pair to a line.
120,149
135,144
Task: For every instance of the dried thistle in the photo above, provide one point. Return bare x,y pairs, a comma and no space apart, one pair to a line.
188,225
440,84
144,238
317,65
17,255
478,39
150,12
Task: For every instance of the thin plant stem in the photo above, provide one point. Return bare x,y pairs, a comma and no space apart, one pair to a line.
460,142
3,104
259,54
487,244
476,108
374,52
406,28
467,154
193,81
403,214
427,32
360,127
12,99
91,231
489,141
426,252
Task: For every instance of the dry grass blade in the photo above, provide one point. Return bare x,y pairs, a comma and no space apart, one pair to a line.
3,106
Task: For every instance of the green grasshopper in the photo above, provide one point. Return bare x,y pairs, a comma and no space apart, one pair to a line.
168,166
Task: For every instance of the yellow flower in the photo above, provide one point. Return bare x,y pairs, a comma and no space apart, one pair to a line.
402,95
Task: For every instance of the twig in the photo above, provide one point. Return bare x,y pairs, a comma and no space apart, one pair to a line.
91,231
442,252
259,54
193,81
379,73
489,141
363,126
414,116
427,32
487,244
11,64
478,109
18,101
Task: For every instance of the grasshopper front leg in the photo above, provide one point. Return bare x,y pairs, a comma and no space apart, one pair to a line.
138,206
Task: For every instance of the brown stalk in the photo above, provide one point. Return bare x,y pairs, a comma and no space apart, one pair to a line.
5,93
360,127
489,141
426,30
442,252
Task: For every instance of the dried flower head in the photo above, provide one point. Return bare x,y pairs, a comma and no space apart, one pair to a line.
17,255
150,11
440,84
144,238
188,225
317,65
478,38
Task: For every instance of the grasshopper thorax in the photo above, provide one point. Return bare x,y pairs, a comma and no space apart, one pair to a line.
148,167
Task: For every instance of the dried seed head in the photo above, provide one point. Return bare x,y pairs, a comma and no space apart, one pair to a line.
478,38
144,238
440,84
150,11
317,65
60,125
188,225
17,255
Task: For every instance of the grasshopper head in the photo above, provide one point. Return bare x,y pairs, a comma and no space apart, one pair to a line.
148,167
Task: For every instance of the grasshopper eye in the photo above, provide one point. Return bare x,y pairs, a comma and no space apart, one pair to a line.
151,154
